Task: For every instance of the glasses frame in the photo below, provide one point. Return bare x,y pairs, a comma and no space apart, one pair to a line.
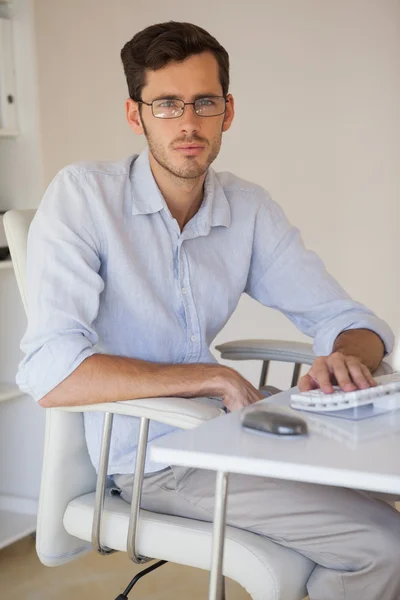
184,104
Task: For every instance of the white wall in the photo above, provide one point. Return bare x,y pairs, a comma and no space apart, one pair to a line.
317,91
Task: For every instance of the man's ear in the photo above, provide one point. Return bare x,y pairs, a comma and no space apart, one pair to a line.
133,116
229,113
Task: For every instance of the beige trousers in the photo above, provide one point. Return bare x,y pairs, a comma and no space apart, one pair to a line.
353,538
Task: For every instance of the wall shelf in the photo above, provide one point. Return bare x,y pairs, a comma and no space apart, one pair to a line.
17,519
9,133
9,391
6,264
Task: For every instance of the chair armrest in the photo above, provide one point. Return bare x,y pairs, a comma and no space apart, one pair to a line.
280,350
185,413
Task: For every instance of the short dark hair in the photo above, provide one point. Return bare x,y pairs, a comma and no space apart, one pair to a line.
154,47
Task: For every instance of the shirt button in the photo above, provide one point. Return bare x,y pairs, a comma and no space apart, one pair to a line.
183,290
193,338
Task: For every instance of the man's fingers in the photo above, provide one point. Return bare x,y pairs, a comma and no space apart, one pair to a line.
321,375
351,374
368,376
347,371
254,394
255,398
306,383
359,375
341,371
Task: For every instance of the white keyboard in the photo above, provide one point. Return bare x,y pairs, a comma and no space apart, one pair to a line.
317,401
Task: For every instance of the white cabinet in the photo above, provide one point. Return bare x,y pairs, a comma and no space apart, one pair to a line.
21,423
8,110
21,420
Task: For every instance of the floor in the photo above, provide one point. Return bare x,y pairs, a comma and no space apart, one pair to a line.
95,577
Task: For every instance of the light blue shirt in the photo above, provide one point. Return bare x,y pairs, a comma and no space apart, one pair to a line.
109,271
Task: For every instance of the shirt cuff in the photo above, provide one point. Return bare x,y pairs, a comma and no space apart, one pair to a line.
325,339
43,369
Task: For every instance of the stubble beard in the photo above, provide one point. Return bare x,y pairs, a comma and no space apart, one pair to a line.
191,169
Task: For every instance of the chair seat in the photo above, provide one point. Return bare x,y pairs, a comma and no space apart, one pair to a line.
266,570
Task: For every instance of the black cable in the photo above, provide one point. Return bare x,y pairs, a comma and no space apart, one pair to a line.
124,595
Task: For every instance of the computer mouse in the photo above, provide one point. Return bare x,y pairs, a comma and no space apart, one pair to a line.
266,419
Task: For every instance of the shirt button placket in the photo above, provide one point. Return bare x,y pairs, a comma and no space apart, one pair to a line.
193,349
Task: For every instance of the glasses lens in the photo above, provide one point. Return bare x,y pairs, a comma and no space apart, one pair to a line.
167,108
210,107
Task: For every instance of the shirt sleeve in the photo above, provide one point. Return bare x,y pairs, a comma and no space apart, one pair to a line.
63,287
286,276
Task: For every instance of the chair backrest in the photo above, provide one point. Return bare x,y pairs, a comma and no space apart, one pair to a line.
16,226
67,471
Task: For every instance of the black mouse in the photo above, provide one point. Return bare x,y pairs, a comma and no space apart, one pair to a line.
267,420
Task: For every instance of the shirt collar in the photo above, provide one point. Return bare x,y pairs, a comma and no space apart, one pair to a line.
147,198
214,209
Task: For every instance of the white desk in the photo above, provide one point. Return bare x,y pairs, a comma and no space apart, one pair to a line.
365,456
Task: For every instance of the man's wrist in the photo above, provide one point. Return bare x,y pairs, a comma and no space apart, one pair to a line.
364,344
214,380
197,379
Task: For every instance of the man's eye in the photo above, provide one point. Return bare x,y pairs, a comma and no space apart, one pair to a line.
205,102
168,104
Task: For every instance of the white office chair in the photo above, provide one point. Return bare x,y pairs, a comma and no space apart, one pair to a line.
76,515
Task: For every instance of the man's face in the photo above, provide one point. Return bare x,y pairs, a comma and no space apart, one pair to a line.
167,138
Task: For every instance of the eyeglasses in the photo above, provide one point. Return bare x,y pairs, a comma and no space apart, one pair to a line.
173,108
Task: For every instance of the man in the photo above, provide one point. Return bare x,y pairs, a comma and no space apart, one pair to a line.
135,266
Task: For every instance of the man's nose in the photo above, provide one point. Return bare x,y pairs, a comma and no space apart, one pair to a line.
190,120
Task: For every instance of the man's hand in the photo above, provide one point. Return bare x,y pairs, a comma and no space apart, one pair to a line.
235,391
337,369
356,352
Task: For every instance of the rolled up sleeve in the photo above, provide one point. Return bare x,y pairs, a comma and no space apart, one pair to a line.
286,276
63,287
